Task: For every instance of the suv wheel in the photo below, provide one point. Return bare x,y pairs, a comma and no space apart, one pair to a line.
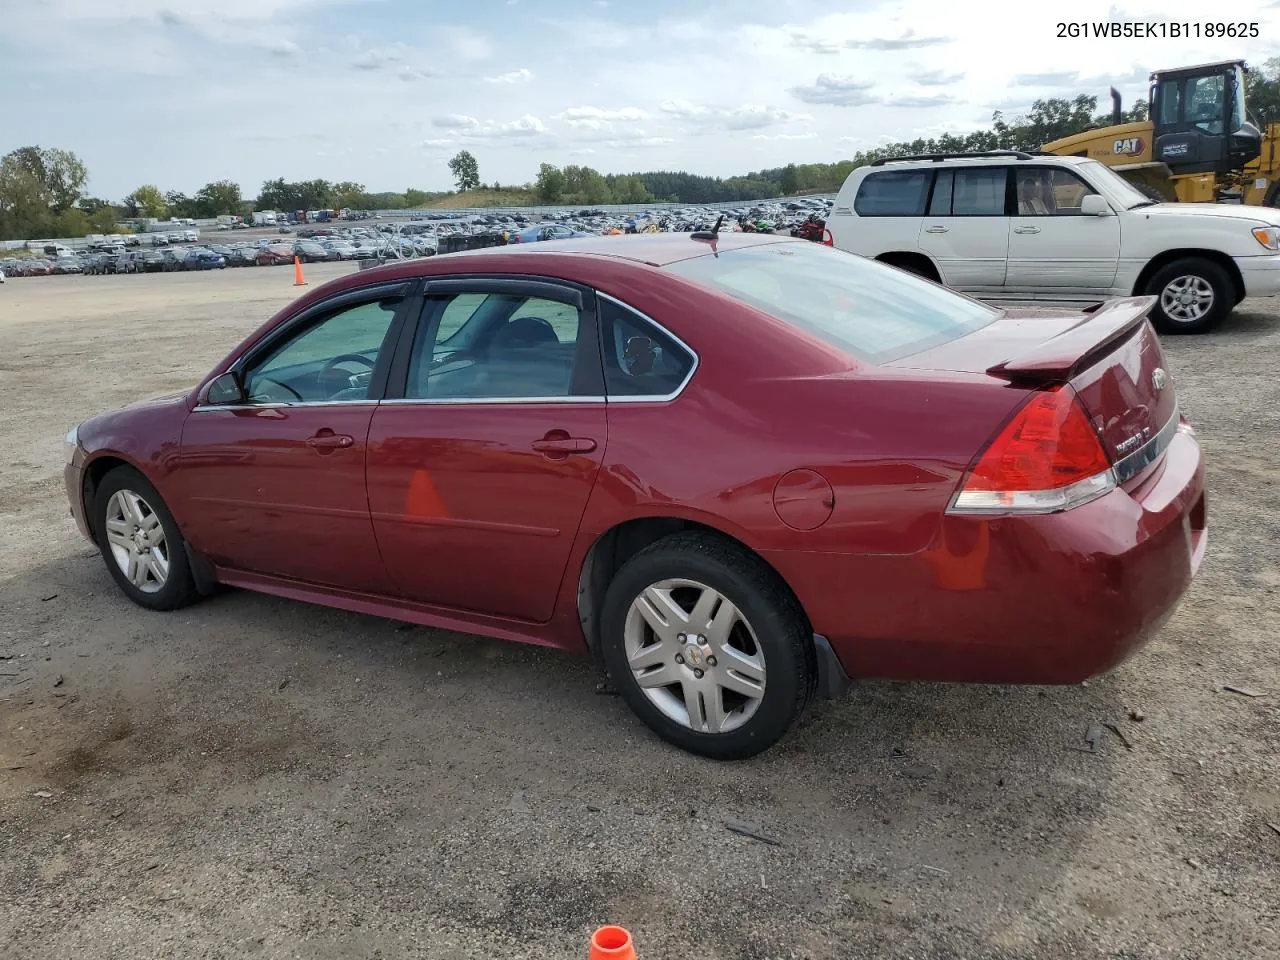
707,647
1193,294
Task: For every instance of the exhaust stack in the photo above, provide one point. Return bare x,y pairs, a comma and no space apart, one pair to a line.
1117,114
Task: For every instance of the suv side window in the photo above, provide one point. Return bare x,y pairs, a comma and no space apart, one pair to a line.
893,193
978,192
639,359
1049,192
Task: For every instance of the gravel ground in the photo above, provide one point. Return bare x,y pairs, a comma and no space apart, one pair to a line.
258,778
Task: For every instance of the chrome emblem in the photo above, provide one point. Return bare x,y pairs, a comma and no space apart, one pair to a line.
1159,379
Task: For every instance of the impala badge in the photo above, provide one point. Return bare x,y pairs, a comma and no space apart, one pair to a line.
1159,379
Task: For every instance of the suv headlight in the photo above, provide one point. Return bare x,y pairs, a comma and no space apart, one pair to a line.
1269,237
70,442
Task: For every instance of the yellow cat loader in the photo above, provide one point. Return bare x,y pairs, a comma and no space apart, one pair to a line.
1198,145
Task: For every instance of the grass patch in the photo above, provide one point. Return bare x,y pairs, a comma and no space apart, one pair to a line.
485,198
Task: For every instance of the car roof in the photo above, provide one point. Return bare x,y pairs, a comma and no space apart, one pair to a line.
654,249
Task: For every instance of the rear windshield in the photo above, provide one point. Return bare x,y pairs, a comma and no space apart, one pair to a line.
870,311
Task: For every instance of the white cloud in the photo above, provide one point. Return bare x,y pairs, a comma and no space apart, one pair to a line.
467,44
523,75
455,121
836,91
438,142
595,118
748,117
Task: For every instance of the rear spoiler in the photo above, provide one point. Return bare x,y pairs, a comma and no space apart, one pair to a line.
1063,356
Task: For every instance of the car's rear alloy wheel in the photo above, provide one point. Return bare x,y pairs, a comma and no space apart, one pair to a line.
694,656
141,543
706,645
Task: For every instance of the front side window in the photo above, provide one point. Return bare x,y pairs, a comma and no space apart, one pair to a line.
639,359
1044,192
1206,100
331,360
871,312
494,346
893,193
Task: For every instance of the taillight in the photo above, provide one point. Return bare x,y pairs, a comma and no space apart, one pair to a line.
827,239
1047,458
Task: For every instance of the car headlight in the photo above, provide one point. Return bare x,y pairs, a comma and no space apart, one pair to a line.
70,442
1269,237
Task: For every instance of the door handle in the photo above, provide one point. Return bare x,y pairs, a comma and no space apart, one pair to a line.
1026,229
562,445
936,229
329,441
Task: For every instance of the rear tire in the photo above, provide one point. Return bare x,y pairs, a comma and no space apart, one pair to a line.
141,543
1193,295
707,647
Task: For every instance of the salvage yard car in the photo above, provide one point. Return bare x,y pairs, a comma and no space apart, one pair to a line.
738,470
1020,226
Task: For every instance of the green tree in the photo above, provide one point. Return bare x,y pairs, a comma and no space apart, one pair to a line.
413,199
217,198
104,220
350,195
1263,98
180,205
37,185
465,170
789,182
550,183
146,201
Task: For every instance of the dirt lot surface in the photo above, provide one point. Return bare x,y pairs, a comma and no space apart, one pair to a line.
254,777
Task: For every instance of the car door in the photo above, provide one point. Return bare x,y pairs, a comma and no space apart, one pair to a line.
479,472
966,231
274,479
1052,246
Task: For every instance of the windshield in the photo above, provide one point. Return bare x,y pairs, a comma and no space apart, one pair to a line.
1239,109
870,311
1124,192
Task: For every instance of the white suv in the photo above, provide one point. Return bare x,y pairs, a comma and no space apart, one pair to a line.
1007,225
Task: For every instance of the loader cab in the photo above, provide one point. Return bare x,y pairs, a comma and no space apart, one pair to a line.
1199,119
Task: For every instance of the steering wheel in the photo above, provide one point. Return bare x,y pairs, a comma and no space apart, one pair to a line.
282,385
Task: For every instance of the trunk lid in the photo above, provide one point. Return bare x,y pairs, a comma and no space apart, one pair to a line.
1110,356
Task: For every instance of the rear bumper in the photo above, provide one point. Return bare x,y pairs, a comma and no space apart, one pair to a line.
1261,275
1049,599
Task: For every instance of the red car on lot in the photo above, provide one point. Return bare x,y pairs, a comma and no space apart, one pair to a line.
738,471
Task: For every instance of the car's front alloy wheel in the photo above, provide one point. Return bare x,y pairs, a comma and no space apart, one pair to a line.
707,646
140,542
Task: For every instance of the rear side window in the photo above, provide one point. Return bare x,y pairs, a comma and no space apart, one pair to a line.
893,193
871,312
639,359
978,192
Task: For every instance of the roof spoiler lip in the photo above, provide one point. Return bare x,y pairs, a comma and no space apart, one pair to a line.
1064,355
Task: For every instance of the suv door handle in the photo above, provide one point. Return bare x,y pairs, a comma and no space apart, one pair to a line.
329,441
555,445
1026,229
936,229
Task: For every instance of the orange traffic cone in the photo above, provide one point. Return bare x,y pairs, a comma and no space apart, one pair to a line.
612,943
297,272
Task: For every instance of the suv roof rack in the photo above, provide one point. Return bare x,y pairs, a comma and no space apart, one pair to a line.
937,157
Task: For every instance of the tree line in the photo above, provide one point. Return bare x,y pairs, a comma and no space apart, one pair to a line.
42,190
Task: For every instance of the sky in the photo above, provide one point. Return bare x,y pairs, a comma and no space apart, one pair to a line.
383,92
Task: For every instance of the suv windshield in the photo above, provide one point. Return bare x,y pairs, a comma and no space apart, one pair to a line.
868,310
1126,193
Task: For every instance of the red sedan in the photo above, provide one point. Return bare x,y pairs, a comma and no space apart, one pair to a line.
737,471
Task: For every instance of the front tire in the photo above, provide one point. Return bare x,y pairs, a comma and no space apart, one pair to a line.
707,647
141,543
1193,295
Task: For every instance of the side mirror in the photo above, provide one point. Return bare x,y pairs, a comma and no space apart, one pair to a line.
227,388
1094,205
